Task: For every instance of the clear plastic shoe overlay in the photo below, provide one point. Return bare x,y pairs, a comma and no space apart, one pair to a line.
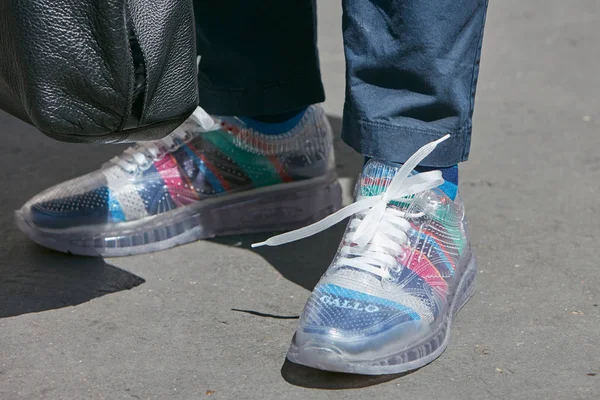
401,273
212,176
272,208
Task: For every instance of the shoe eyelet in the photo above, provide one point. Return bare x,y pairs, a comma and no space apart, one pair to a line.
144,167
388,283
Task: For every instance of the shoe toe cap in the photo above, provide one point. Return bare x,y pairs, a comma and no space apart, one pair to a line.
54,209
352,324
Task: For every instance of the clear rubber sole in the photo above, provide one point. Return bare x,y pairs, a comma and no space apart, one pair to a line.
326,356
279,207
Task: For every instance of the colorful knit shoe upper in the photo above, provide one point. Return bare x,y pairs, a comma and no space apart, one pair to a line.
386,297
190,165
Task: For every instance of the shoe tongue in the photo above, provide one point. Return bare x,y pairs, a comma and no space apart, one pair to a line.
377,176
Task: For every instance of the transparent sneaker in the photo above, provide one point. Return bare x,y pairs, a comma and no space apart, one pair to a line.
402,272
212,176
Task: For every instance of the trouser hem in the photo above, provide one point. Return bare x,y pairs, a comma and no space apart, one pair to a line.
396,143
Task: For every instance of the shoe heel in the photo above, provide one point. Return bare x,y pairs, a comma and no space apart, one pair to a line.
467,287
280,210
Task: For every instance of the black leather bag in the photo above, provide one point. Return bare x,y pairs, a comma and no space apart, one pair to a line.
98,70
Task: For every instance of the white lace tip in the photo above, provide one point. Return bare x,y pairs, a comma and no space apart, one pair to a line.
254,245
205,120
442,139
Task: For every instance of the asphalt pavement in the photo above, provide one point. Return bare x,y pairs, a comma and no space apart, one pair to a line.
213,319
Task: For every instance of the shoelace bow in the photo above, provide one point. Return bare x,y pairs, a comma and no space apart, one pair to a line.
141,155
378,238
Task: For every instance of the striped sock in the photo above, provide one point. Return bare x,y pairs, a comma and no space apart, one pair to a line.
450,175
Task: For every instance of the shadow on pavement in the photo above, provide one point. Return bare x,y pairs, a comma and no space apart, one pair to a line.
302,262
35,279
265,315
300,375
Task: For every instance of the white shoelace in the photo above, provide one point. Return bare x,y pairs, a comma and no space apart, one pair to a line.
380,236
142,154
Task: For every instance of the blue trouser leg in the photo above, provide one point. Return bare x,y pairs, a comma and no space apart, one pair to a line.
411,72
